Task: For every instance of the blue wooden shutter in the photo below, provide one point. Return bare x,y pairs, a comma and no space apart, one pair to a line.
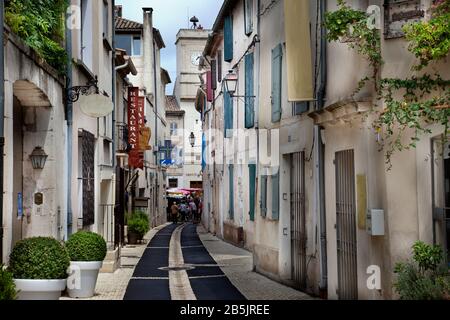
264,196
277,56
231,199
276,196
228,113
249,92
228,38
252,185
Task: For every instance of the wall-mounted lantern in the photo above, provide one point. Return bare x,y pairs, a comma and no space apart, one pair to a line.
38,158
192,139
231,81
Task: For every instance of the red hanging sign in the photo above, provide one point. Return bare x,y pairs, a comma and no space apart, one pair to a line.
136,120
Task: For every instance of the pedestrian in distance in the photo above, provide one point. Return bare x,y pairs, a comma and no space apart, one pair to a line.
193,208
174,212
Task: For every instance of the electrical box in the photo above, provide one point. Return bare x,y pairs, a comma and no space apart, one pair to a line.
375,222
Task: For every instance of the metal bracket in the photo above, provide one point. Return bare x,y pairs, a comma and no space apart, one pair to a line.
73,94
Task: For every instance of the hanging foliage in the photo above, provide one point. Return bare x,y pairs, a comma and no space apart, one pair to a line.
40,23
409,104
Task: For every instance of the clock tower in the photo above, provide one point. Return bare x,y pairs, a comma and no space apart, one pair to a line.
190,44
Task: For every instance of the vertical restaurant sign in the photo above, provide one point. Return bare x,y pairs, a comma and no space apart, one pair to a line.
135,122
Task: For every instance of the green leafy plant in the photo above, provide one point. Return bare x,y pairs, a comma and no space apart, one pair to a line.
40,23
86,246
423,278
430,40
7,286
139,223
39,258
411,104
350,25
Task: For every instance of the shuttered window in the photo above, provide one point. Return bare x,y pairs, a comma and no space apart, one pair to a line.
231,185
214,74
252,190
219,66
209,88
264,196
276,196
249,91
228,113
228,38
248,8
277,57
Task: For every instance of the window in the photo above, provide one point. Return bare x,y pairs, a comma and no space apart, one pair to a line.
228,110
277,56
276,196
136,46
219,66
105,19
252,186
173,183
248,9
249,100
228,38
131,44
300,107
264,196
173,128
86,33
231,185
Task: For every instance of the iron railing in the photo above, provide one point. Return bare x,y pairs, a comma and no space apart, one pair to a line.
122,138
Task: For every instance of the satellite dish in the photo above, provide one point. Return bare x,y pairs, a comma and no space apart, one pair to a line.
96,105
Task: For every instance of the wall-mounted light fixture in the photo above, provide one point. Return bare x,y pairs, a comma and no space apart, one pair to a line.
231,82
192,139
38,158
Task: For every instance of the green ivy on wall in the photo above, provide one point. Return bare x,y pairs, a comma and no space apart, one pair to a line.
40,23
409,104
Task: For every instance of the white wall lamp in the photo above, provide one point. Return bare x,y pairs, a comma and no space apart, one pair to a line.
38,158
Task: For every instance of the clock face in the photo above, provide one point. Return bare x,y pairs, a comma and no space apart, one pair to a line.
195,58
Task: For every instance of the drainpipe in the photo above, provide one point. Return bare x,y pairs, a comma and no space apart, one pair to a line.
69,118
2,119
320,164
113,88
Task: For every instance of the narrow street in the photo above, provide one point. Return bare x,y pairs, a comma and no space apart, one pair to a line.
176,266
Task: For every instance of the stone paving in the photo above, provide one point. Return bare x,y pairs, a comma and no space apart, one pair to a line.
236,263
112,286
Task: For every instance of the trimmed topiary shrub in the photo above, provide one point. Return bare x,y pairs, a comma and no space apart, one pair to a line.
39,258
86,246
7,286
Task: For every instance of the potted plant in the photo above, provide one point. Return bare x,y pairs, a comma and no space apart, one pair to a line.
39,267
138,226
7,286
87,251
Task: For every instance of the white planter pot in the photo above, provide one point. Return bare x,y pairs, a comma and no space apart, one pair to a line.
39,289
84,285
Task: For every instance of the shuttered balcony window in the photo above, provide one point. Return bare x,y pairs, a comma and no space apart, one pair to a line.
228,38
249,92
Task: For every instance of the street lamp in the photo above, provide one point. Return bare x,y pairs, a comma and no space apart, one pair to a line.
192,139
38,158
231,80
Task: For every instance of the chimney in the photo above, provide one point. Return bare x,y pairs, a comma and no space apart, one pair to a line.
118,10
148,54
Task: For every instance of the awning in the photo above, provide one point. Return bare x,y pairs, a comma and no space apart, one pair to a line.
298,50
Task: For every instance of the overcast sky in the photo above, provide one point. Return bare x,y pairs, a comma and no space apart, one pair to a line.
169,16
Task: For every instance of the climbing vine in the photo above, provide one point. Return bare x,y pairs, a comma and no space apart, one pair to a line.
350,26
40,23
410,104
